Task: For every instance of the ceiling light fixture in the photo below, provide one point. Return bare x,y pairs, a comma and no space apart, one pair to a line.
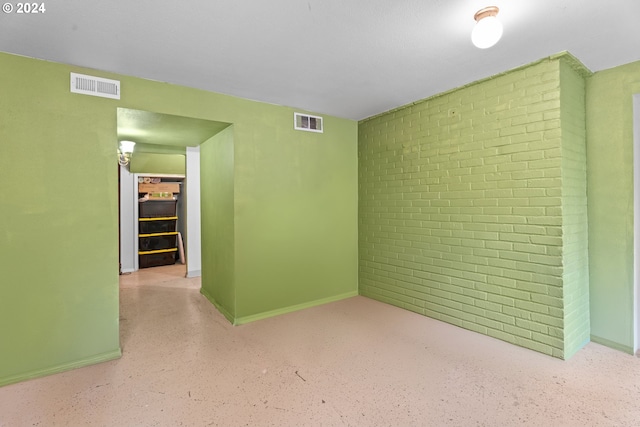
124,152
488,29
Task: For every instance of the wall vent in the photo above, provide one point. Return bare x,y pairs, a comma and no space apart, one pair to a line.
307,122
95,86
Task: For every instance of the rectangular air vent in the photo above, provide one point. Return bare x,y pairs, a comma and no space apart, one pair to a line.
95,86
307,122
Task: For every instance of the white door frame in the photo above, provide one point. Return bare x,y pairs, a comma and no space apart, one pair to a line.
128,229
129,216
193,234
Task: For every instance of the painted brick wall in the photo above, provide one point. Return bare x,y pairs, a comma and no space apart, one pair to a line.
460,214
574,207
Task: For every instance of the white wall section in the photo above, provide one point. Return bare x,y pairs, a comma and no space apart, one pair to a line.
192,192
128,228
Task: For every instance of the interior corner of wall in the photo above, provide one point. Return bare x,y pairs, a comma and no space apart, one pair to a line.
230,317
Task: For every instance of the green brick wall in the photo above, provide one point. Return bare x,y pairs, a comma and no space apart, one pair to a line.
574,207
461,207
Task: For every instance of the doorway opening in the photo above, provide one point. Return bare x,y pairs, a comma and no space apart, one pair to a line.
167,148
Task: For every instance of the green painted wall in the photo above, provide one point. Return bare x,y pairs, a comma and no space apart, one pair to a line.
610,206
293,223
59,228
461,207
575,249
217,221
296,216
173,164
59,256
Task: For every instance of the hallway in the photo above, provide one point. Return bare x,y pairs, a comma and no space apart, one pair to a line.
355,362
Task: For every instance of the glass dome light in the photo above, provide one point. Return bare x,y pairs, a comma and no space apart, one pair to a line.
488,29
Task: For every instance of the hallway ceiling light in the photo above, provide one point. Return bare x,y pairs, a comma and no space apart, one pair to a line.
124,152
488,29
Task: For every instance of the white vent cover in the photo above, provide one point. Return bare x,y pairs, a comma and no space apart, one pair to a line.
307,122
96,86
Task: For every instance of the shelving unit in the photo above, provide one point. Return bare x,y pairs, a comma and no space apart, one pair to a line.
157,225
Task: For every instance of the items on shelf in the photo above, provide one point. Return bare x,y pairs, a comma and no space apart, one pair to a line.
157,223
158,190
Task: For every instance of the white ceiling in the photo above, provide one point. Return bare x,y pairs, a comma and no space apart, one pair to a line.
348,58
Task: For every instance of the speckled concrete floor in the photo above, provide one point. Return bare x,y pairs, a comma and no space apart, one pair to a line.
355,362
